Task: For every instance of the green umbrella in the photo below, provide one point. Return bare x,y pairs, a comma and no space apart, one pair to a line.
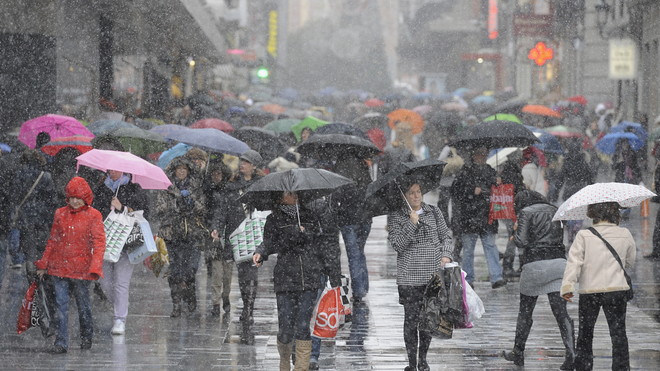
281,125
504,116
654,134
309,122
140,142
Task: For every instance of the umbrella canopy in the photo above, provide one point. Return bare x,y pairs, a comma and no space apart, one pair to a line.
81,143
495,134
371,120
167,156
281,125
483,100
423,109
607,144
536,109
104,127
563,131
655,134
341,128
630,127
405,115
139,141
504,117
335,145
273,108
264,141
549,143
147,175
213,123
454,106
374,102
310,122
513,106
212,140
626,195
57,126
308,183
385,195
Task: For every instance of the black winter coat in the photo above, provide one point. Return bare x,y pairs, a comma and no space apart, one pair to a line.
349,204
130,195
39,208
299,256
575,174
537,234
470,212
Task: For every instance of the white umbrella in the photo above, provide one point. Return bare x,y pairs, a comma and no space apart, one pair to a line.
627,195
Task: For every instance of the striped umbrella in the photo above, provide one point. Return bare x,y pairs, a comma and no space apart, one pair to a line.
79,142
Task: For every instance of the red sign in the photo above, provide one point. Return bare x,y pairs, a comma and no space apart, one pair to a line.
533,25
540,53
492,20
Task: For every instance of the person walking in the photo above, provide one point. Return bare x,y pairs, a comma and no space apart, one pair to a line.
219,199
471,197
73,257
291,232
181,213
421,238
354,226
602,282
543,264
511,173
118,194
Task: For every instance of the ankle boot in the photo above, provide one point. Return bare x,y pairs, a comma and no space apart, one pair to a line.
567,330
175,292
176,310
248,294
303,353
285,355
190,295
523,328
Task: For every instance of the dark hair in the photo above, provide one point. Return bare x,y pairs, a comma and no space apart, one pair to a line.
408,182
604,212
42,139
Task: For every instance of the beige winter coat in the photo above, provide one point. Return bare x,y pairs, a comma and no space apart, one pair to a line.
593,267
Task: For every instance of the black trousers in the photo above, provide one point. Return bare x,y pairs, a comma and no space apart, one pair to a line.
416,341
614,305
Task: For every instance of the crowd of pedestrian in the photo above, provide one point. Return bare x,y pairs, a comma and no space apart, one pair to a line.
53,212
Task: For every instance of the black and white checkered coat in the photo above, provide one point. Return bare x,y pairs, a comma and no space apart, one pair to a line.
419,247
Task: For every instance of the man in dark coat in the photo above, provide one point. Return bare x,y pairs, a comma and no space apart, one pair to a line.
471,196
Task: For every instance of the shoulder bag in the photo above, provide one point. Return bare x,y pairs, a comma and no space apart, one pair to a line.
629,292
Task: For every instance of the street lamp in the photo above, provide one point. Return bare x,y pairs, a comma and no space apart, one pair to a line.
602,13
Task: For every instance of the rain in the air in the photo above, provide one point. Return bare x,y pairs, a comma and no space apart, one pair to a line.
329,185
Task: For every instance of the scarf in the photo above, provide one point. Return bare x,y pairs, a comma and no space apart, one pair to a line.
114,184
290,210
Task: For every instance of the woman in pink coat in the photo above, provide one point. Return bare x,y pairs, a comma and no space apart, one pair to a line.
73,257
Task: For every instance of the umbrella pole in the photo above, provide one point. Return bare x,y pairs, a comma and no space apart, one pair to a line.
298,214
404,198
117,191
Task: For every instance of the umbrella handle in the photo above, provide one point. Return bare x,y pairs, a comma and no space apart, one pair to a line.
298,214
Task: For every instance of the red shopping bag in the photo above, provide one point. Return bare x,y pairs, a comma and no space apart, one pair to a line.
501,203
24,321
328,311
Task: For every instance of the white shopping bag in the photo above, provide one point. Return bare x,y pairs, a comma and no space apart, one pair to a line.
117,227
148,248
245,239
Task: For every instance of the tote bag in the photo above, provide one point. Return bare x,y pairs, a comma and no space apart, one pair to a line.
249,234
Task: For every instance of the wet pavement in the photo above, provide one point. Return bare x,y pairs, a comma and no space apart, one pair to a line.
374,340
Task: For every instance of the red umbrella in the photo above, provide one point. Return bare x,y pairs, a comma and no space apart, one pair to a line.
81,143
374,102
213,123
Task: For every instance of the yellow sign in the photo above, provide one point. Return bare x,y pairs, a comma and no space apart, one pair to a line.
272,33
623,59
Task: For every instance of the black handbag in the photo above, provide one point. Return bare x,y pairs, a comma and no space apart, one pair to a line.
434,318
629,293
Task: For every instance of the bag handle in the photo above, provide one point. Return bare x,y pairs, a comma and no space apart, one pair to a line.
609,247
29,192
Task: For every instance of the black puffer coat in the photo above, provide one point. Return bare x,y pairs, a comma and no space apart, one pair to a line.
471,211
130,195
537,234
299,256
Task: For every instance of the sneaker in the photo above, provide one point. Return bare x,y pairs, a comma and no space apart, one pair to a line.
17,266
119,328
56,349
498,284
313,365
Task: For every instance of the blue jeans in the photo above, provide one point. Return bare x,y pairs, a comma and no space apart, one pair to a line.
80,291
17,256
355,237
294,314
490,250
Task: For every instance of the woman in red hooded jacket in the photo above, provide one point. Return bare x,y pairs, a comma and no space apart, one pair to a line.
73,257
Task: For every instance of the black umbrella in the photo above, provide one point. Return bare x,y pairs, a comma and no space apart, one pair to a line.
340,128
495,134
513,106
308,183
385,195
371,120
264,141
334,145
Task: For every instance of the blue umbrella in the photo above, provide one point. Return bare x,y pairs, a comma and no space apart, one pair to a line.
607,144
167,156
212,140
549,143
5,148
483,99
630,127
104,127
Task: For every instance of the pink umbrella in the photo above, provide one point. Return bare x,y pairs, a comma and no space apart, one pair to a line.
147,175
56,126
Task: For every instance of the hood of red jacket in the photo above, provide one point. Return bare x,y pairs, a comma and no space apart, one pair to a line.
79,188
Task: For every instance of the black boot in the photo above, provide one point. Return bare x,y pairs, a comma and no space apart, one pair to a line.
523,328
507,266
249,295
566,328
190,295
226,306
175,292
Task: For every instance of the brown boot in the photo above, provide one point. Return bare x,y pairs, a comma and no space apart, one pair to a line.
285,355
303,353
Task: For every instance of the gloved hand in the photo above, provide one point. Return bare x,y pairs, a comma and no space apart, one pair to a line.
185,193
335,282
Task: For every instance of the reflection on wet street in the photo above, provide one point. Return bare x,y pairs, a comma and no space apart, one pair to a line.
373,341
